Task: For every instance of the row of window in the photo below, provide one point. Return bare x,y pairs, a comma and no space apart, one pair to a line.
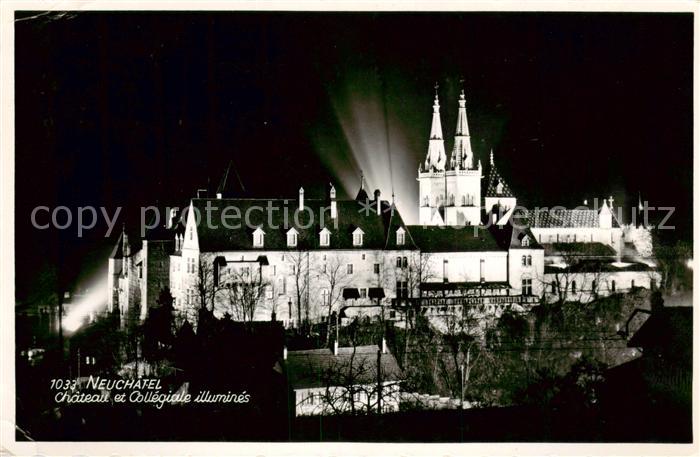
527,260
466,200
324,237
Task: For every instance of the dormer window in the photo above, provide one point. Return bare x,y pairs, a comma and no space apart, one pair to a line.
325,237
525,241
258,238
499,188
357,237
292,237
400,237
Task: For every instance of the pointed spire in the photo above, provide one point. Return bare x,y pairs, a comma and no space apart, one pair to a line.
436,158
436,128
462,152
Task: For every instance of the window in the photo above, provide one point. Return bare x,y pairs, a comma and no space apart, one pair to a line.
525,241
398,262
258,238
524,260
573,287
527,286
612,285
325,237
445,270
529,260
554,287
363,257
376,268
593,284
632,284
400,237
482,270
268,292
363,292
324,296
404,263
401,289
464,200
499,188
191,266
191,232
349,269
357,239
292,238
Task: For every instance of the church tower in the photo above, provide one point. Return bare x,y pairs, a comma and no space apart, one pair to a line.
431,174
463,179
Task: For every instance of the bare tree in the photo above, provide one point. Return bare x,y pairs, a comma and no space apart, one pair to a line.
245,289
206,283
333,278
300,275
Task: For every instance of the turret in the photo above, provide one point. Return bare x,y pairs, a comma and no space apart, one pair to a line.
436,158
462,155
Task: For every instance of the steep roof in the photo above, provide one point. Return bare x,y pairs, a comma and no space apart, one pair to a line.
494,179
564,218
379,229
321,368
453,239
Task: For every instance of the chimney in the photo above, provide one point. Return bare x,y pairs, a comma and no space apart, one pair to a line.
384,348
218,195
335,347
284,353
301,199
378,201
334,204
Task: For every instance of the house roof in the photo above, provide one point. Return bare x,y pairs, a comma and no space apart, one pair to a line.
379,229
494,179
453,239
510,234
594,249
564,218
352,365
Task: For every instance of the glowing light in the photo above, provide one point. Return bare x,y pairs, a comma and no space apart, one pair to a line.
86,305
689,263
379,143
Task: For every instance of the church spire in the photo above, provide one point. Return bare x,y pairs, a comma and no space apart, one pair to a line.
462,153
436,158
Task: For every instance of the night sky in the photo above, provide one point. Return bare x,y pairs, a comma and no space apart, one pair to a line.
130,109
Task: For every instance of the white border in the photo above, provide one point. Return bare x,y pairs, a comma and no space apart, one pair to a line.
7,398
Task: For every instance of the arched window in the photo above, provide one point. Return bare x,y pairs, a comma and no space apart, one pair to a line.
464,200
525,241
573,287
524,260
529,260
612,286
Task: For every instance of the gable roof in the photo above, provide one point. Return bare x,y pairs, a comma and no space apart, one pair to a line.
453,239
378,228
564,218
494,179
321,368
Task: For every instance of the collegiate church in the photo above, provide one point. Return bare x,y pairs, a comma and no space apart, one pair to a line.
316,259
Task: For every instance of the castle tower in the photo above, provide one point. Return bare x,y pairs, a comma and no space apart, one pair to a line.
431,174
463,179
462,155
